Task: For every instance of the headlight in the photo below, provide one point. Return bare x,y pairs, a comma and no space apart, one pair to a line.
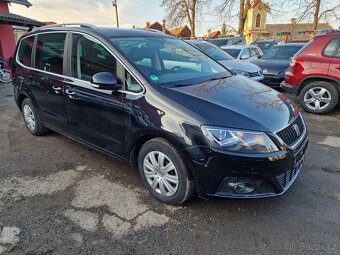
244,73
238,140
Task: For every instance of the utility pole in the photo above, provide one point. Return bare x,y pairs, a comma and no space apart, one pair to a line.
114,3
292,28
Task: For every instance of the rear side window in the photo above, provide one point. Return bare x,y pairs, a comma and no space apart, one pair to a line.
25,51
89,57
331,50
50,52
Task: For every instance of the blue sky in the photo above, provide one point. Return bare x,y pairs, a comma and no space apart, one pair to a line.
131,12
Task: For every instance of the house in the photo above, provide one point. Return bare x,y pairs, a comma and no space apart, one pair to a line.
182,32
158,26
214,34
7,20
256,27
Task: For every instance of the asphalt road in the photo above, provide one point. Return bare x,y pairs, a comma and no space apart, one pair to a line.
60,197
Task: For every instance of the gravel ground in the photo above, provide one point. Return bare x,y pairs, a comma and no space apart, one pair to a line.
60,197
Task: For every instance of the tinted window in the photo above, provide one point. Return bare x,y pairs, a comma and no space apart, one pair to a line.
264,45
284,52
25,51
49,52
331,49
233,52
213,51
167,61
89,57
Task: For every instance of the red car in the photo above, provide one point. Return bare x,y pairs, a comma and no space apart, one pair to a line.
314,74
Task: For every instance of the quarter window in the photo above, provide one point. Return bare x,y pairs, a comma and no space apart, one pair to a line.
50,52
25,51
332,49
89,57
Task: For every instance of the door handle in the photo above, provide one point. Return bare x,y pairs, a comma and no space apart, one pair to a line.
57,89
70,93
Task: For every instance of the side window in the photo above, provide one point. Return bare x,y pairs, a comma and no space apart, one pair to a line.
245,53
50,52
89,57
252,52
25,51
330,50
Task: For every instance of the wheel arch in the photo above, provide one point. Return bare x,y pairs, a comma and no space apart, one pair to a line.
308,80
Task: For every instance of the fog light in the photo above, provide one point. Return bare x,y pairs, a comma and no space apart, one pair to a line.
242,187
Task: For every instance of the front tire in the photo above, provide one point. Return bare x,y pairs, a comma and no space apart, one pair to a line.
32,119
164,173
319,97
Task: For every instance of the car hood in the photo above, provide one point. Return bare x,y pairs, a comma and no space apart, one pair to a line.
240,65
273,66
237,102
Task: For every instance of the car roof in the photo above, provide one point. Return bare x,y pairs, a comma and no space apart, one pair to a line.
235,46
289,44
197,41
106,32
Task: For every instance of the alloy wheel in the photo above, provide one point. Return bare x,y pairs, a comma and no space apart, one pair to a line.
161,174
317,98
29,117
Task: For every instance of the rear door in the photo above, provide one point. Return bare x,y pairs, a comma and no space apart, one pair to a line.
333,50
96,115
46,79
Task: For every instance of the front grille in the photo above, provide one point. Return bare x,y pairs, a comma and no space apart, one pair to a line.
289,176
293,132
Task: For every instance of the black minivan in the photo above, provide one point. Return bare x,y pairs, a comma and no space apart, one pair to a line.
157,102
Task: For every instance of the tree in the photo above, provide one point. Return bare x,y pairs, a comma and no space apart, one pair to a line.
179,11
224,29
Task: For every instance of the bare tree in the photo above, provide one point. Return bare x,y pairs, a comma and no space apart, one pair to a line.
315,10
180,11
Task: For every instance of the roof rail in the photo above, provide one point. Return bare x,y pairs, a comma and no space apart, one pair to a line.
84,25
151,30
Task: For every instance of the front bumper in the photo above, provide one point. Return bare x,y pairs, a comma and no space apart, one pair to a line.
289,88
233,176
272,80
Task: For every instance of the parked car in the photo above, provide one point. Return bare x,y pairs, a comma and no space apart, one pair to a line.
241,67
228,41
275,62
243,52
159,103
265,45
314,74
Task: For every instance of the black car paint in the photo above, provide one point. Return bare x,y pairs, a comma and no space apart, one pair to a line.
118,123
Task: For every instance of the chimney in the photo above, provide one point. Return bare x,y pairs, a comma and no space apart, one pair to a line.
163,26
147,24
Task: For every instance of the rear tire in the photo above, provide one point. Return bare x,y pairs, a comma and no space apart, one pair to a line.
319,97
164,173
32,119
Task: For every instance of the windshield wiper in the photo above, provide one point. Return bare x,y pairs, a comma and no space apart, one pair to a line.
220,78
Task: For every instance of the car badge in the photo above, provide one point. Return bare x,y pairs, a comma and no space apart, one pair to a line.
296,129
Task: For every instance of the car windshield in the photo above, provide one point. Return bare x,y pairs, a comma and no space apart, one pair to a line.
284,52
213,51
264,45
233,52
168,61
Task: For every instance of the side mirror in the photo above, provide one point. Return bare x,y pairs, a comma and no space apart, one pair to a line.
105,80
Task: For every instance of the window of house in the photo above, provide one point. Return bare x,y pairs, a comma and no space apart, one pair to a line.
25,51
50,52
258,20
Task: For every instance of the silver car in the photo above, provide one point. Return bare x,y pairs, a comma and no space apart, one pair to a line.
250,70
243,52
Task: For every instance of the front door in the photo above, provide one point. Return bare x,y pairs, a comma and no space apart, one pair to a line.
96,115
46,79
